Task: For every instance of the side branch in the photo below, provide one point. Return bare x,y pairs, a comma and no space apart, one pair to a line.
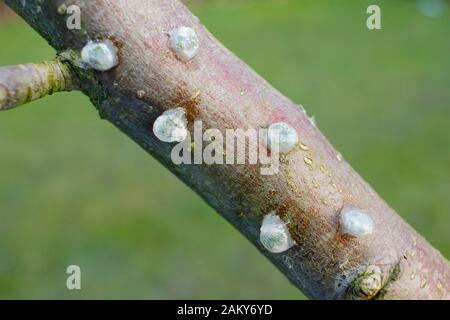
24,83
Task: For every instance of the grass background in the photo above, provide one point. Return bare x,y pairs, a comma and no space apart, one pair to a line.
74,190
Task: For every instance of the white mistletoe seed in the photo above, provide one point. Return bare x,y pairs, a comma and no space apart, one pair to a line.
184,42
274,235
355,222
171,126
283,135
101,56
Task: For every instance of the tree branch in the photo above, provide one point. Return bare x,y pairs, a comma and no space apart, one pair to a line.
24,83
314,183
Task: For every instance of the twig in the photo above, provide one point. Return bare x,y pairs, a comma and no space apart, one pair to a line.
24,83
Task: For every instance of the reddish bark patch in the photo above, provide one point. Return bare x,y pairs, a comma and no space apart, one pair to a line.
283,210
188,101
342,240
119,45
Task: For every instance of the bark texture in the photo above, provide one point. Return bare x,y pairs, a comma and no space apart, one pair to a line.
314,182
24,83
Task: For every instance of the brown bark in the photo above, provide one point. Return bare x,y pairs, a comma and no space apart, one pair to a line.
313,185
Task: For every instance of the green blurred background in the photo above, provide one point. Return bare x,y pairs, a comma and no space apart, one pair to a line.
74,190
